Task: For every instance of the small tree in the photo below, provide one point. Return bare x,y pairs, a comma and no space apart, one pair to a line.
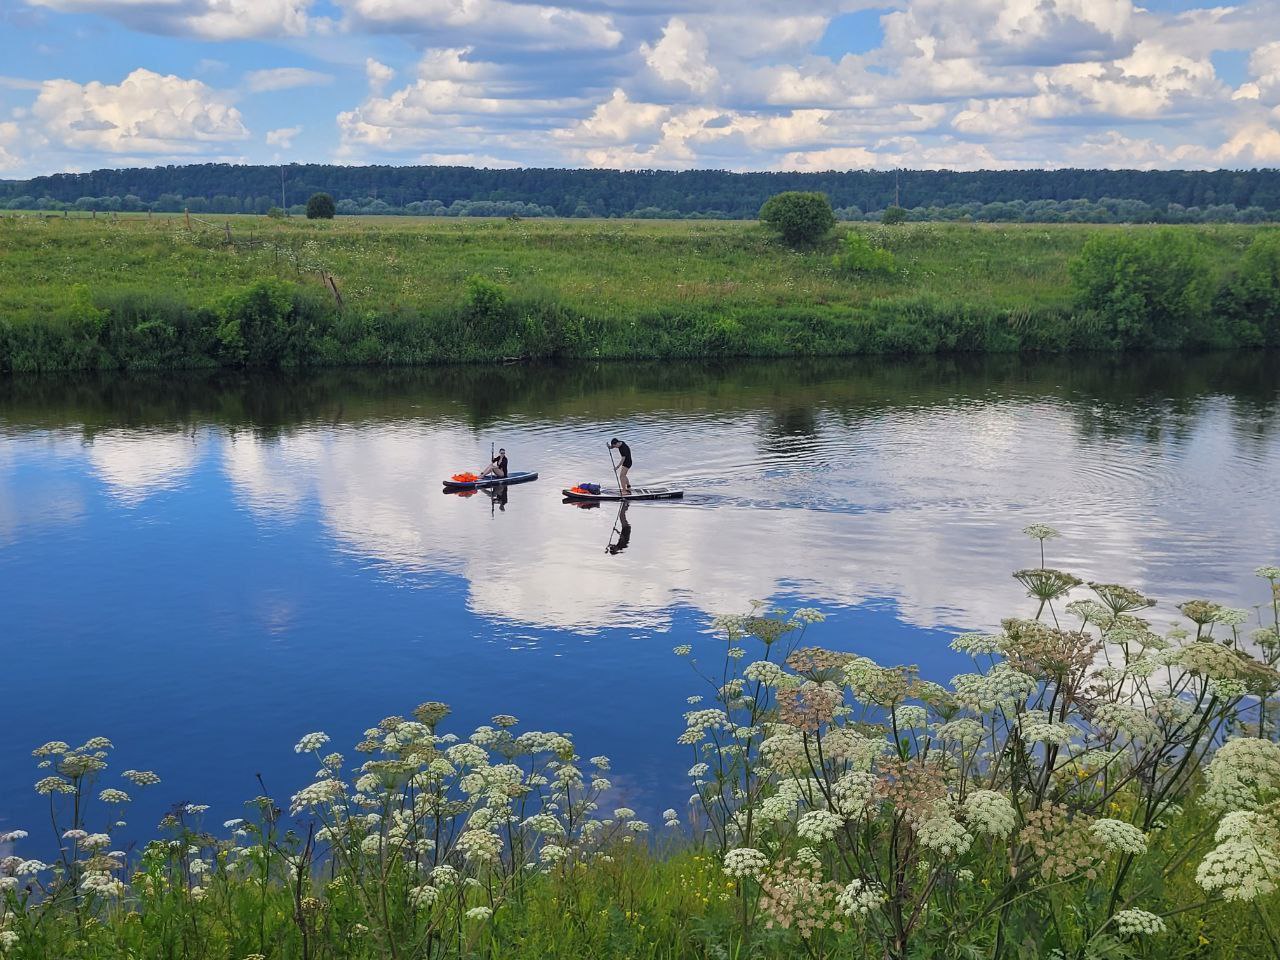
893,216
275,213
320,207
801,218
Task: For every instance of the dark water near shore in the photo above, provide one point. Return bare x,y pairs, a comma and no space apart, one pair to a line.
203,568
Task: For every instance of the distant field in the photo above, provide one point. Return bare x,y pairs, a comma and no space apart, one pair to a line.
612,273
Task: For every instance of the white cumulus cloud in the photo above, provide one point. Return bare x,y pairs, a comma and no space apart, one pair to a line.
145,113
680,57
378,74
283,137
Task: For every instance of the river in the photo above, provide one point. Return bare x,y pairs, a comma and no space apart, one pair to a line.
204,567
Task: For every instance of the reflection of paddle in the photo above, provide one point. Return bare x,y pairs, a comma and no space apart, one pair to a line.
608,547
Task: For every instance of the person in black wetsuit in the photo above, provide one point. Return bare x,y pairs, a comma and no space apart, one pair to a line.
624,451
497,466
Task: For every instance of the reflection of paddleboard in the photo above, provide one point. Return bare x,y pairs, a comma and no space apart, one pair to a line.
637,493
520,476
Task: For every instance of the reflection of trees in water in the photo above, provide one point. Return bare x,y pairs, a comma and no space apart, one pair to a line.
1151,397
790,430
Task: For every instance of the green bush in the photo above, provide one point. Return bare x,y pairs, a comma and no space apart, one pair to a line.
269,324
801,218
320,207
1250,299
893,216
859,256
1150,288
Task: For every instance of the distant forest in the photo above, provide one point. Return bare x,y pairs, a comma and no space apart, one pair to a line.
996,195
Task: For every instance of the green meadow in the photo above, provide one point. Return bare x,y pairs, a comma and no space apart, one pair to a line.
164,292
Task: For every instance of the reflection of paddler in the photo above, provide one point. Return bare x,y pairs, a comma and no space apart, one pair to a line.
624,537
498,495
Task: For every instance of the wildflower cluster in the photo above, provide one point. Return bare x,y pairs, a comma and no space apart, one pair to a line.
843,788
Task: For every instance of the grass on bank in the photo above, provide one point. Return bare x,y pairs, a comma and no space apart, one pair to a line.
601,289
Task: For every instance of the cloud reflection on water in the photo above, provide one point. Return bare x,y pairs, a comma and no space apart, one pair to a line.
925,507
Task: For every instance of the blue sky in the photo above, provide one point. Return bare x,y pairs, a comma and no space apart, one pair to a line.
805,84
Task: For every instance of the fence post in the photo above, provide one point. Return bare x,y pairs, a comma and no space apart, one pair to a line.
332,285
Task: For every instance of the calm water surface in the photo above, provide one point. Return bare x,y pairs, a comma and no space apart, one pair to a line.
203,568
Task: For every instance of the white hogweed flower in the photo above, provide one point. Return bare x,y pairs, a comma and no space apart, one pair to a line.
1243,774
423,896
990,813
977,644
944,834
818,826
745,863
311,743
858,899
1239,870
1138,923
1119,836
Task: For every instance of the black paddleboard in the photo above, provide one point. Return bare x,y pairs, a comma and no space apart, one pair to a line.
520,476
637,493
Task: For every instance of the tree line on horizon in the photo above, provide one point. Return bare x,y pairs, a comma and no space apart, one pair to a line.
1070,195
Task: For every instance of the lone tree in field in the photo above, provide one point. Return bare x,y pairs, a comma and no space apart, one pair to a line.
893,216
320,207
801,218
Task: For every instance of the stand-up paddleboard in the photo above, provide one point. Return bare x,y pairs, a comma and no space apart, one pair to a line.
520,476
637,493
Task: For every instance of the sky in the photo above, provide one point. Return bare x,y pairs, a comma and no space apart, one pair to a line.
730,84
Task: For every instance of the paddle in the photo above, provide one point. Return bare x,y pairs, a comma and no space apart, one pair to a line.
615,467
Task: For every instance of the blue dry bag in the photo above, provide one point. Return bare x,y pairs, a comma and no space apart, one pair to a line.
592,488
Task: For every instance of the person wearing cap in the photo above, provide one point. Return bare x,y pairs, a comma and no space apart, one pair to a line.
497,466
624,451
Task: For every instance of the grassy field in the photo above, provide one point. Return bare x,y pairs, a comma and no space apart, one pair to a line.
616,288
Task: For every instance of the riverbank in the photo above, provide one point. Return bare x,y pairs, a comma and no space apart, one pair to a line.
139,293
1047,802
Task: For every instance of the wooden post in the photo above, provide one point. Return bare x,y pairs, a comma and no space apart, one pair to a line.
332,286
187,212
228,233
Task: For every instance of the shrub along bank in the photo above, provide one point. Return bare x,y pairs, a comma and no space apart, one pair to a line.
156,295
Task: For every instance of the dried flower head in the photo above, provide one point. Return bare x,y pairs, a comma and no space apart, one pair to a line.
809,706
794,896
1065,846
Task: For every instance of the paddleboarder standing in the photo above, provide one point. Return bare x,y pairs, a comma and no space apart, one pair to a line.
624,451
